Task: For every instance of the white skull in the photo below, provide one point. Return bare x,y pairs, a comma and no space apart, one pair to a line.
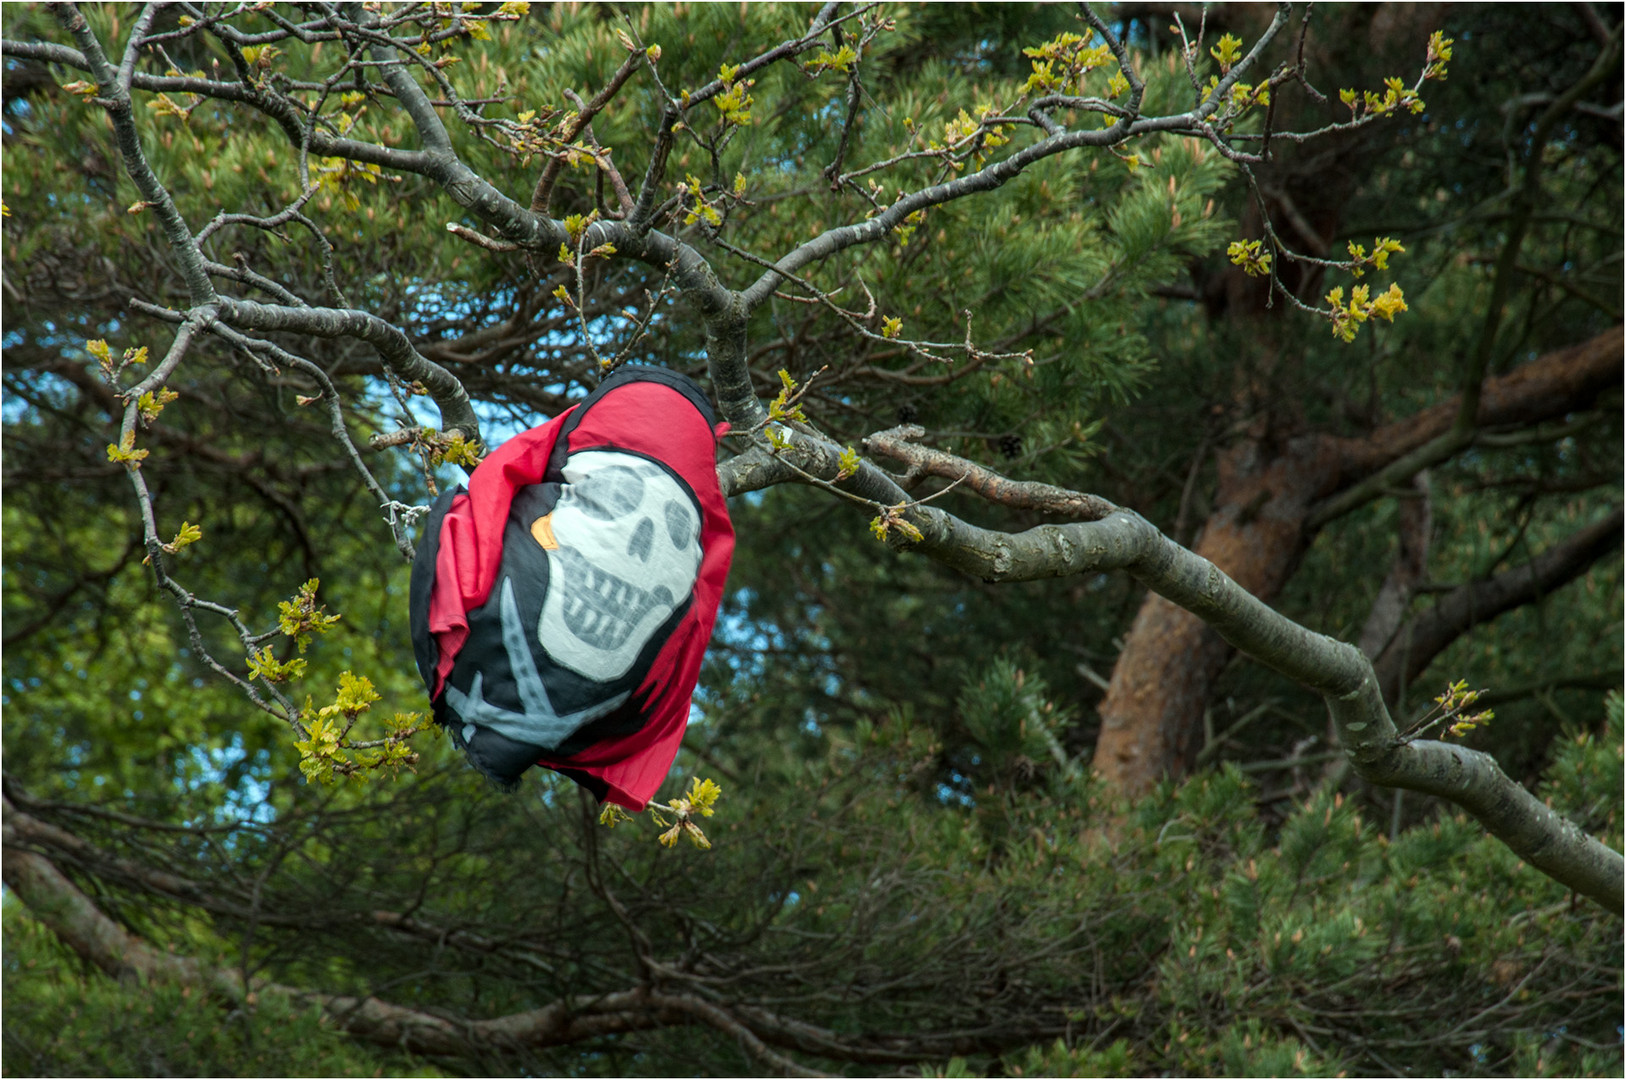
625,552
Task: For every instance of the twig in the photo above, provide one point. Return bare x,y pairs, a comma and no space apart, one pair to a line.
463,232
606,166
542,197
895,443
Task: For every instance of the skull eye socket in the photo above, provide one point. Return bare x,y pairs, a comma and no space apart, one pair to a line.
609,493
679,525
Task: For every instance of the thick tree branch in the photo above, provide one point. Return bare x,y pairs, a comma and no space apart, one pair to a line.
719,1018
1414,646
896,443
1557,383
1348,684
1345,679
80,924
409,94
33,847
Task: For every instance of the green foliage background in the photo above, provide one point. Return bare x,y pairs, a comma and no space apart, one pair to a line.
909,842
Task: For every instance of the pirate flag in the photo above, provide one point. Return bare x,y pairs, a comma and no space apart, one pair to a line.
562,604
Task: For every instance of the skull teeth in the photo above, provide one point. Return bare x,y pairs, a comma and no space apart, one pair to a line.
621,566
600,608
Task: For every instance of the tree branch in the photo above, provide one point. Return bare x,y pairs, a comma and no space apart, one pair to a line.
279,109
30,869
1345,679
1555,384
1524,207
895,443
720,1019
1414,646
999,173
80,924
114,94
1118,540
393,346
542,197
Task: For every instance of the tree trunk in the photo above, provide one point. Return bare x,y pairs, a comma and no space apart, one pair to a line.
1151,717
1268,508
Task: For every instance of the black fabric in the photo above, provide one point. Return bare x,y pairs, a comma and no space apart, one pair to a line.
494,755
595,787
525,565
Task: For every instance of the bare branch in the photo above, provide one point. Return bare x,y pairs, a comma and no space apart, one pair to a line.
76,919
394,348
1414,646
330,396
791,47
1550,386
1338,672
1525,201
114,92
897,444
542,197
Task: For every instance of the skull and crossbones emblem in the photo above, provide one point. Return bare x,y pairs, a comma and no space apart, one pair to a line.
623,546
623,550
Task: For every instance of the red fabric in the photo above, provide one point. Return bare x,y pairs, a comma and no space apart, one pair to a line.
647,417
